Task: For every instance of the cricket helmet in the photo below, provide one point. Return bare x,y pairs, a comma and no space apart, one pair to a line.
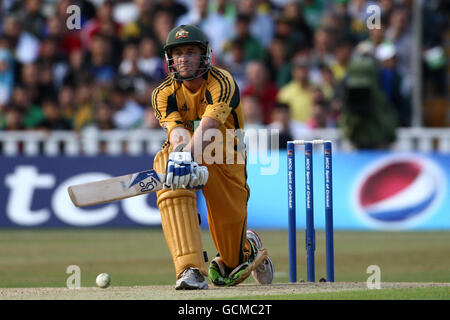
188,34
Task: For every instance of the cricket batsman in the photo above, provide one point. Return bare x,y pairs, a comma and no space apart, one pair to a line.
195,100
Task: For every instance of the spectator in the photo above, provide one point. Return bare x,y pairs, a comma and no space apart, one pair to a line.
12,119
48,52
284,74
31,113
215,26
149,62
66,102
225,8
343,53
391,81
436,60
386,8
53,120
162,24
335,24
129,58
253,123
24,46
261,25
77,70
291,12
312,12
317,94
31,17
47,86
236,63
285,28
103,119
252,112
143,26
340,9
177,9
277,58
144,98
50,56
129,70
320,115
99,60
399,33
288,129
357,10
323,48
297,94
328,91
29,79
6,76
150,121
128,113
103,22
260,86
376,37
253,48
84,110
328,85
108,31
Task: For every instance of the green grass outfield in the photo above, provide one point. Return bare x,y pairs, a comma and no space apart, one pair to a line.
139,257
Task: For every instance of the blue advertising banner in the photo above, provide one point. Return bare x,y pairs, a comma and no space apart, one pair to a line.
371,191
33,192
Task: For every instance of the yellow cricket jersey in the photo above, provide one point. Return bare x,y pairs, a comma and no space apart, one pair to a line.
226,193
218,98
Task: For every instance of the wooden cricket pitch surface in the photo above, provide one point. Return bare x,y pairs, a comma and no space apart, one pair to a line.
165,292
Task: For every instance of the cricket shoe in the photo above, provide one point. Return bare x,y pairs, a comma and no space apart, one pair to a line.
191,279
263,272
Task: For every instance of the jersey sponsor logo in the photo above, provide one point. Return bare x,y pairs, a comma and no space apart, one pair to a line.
188,125
184,107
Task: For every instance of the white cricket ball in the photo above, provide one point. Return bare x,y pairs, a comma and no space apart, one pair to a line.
103,280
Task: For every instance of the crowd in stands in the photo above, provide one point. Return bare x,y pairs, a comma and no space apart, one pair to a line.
289,58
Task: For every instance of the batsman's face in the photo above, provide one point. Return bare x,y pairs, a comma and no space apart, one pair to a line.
186,59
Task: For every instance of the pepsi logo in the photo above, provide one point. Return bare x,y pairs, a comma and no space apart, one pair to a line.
397,192
307,153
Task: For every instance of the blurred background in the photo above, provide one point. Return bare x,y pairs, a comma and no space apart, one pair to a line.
76,79
360,74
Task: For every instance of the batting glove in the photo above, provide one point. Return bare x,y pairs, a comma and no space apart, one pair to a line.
199,176
183,172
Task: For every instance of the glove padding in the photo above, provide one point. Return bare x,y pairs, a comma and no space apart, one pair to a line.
199,176
183,172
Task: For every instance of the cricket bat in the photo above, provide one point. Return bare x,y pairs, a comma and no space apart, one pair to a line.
117,188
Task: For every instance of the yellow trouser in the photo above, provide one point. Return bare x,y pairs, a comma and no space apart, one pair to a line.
226,194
